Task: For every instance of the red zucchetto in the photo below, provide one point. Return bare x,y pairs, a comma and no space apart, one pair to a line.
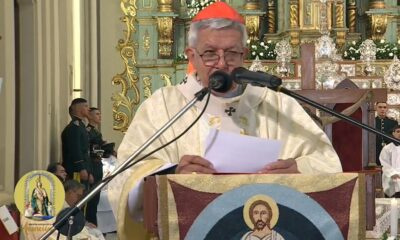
219,10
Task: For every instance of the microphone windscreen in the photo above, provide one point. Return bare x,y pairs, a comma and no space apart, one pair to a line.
220,81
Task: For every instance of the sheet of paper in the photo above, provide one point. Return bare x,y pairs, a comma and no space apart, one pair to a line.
7,220
235,153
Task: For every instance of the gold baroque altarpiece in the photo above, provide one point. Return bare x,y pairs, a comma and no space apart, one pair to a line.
124,103
303,19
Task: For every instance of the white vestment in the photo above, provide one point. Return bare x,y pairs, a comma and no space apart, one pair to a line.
390,160
273,236
257,112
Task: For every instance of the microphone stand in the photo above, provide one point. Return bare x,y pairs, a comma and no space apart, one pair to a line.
332,112
59,223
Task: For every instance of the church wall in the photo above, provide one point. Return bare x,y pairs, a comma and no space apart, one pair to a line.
109,32
44,83
7,101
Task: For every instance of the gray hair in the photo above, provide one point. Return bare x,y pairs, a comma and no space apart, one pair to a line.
73,185
215,23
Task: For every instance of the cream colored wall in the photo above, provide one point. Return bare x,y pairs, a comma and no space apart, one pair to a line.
7,101
45,76
110,31
45,79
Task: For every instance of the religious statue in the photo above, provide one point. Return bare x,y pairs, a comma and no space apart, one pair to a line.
40,200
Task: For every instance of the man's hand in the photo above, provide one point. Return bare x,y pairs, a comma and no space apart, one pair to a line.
281,166
84,175
194,164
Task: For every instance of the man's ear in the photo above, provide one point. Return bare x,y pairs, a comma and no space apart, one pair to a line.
190,54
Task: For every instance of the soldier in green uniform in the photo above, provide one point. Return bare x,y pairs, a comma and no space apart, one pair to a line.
96,153
385,124
75,143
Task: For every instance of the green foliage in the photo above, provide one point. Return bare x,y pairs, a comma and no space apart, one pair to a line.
384,50
264,51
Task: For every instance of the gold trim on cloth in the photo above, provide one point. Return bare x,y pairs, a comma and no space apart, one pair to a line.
224,183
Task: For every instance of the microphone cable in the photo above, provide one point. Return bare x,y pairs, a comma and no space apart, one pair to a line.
168,143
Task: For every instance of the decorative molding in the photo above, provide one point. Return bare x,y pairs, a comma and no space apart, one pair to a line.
147,86
167,79
271,16
165,32
146,43
252,26
165,6
294,22
251,5
352,16
125,101
393,99
379,25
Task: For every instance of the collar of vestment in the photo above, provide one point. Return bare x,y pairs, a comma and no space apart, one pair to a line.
249,99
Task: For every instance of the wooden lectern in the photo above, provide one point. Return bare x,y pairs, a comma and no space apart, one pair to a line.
197,206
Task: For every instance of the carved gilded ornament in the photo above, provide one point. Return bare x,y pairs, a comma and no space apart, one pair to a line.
165,6
271,16
379,24
252,5
146,42
167,79
294,23
294,14
252,26
165,32
351,16
339,14
125,101
147,86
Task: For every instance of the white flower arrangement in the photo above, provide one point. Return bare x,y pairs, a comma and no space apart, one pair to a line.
384,50
262,50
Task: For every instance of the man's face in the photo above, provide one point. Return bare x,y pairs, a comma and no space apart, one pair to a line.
61,172
73,196
226,47
396,133
260,216
95,116
381,109
84,109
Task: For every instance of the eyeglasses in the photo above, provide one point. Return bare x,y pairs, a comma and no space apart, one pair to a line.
211,58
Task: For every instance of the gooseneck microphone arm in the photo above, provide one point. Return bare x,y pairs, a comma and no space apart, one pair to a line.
334,113
243,76
58,224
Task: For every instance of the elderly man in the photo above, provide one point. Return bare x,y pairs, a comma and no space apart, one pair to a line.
217,41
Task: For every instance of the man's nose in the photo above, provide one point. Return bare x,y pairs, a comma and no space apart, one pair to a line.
222,63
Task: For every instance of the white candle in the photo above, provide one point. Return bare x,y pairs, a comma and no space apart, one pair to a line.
394,216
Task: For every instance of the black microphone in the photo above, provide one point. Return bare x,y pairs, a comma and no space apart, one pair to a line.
220,81
241,76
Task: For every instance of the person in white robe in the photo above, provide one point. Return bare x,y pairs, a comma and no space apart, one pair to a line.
217,41
390,160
